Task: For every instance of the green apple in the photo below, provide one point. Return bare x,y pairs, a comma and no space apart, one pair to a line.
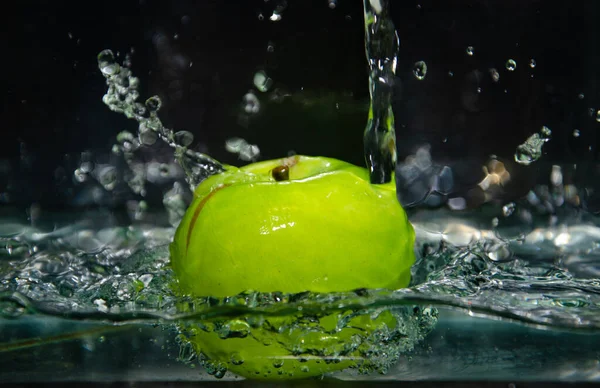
291,225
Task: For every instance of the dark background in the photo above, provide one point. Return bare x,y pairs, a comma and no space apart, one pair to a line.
51,88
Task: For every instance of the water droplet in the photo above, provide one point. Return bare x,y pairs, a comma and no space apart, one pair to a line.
576,133
420,70
531,149
251,103
511,65
79,175
305,369
478,90
270,47
451,74
262,81
598,116
332,4
153,104
107,176
275,17
470,51
508,209
184,138
581,96
532,63
495,75
278,363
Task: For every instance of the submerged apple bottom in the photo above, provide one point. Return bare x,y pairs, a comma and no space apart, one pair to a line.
294,225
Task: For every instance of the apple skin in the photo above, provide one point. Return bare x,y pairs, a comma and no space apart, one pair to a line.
290,225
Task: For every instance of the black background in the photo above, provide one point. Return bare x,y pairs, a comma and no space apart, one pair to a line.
51,88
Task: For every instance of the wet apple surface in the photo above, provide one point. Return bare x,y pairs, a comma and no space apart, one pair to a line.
291,225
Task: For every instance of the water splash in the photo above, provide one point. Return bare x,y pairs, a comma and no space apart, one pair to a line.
122,97
381,46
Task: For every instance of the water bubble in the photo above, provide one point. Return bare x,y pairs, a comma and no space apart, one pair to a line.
261,17
262,81
581,96
511,65
531,149
495,75
184,138
332,4
508,209
420,70
470,50
532,63
576,133
598,116
153,104
270,47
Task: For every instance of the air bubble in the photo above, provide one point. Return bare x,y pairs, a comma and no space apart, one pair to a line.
511,65
470,51
420,70
332,4
576,133
598,116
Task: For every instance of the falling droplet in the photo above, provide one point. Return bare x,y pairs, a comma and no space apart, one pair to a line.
511,65
262,81
495,75
420,70
532,63
531,149
470,51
